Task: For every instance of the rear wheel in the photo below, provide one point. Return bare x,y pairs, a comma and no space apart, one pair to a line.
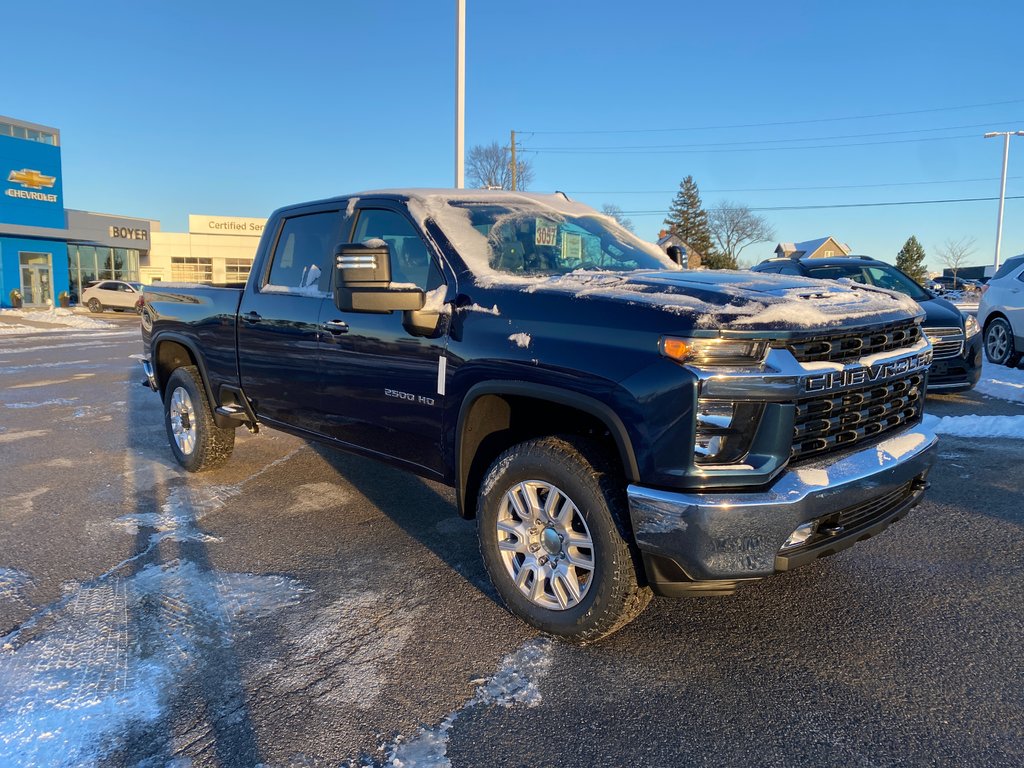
551,524
95,306
999,347
196,441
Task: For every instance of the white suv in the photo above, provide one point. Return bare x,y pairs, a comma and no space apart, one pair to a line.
1001,313
115,294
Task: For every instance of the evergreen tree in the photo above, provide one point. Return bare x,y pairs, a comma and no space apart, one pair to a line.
688,221
911,259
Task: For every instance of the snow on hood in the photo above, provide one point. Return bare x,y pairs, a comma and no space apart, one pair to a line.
739,299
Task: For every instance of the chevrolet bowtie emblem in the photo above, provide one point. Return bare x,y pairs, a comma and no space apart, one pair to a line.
31,179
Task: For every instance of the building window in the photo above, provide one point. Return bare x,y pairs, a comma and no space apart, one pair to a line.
828,254
188,269
21,132
237,270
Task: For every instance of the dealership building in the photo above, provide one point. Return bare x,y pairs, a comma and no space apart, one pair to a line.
47,249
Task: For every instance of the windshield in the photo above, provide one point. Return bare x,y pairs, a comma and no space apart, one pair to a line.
136,286
880,275
540,241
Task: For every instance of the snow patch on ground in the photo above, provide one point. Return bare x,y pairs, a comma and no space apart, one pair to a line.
13,584
179,514
342,655
58,316
515,682
110,655
977,426
1002,382
43,404
315,497
521,340
10,437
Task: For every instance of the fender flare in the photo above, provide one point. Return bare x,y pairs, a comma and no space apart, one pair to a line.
188,344
585,403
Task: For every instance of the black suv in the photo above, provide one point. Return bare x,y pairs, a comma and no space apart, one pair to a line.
955,336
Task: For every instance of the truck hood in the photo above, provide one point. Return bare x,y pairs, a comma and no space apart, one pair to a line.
738,301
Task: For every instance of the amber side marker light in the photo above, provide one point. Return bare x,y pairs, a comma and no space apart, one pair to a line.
714,351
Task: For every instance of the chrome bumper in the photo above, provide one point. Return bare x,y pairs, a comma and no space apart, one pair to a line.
736,535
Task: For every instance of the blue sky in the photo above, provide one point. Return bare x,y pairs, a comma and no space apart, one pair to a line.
233,108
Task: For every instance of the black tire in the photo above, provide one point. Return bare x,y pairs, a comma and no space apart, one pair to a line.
95,306
614,595
207,446
999,346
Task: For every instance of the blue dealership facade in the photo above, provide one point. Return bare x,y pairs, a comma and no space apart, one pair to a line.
46,249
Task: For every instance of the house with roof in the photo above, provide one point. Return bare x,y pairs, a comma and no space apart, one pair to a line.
693,259
821,248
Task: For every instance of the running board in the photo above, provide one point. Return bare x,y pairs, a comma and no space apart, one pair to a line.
235,412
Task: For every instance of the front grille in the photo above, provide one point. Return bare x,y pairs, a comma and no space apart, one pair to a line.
851,345
859,516
946,342
832,421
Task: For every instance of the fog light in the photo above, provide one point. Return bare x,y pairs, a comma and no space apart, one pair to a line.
800,535
724,430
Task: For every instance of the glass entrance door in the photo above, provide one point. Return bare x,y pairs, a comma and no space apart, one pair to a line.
36,288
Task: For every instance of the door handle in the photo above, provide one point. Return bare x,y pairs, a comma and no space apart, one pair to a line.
252,317
336,326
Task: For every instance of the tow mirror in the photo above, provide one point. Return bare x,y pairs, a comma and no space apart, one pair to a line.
363,280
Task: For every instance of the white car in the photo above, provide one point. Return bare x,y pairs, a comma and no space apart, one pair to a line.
1001,313
112,294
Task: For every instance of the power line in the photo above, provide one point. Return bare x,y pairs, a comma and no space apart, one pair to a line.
784,189
848,205
782,141
776,123
584,151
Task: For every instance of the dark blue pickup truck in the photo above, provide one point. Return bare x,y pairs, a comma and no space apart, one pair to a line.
617,426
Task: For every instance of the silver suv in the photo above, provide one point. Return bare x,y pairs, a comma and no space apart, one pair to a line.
1001,313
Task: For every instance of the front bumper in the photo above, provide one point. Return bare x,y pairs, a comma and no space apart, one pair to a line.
959,373
721,538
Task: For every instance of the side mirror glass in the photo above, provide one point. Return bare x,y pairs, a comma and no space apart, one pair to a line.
363,280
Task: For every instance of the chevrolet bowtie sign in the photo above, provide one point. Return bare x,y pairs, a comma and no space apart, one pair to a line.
31,180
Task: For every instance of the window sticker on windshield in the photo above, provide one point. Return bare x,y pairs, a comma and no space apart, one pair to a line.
572,246
546,232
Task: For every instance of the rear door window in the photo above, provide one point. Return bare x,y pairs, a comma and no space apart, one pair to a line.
304,255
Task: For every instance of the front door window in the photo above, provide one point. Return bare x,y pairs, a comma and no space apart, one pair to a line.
36,290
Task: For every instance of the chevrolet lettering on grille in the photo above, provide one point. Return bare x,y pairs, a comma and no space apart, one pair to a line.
852,377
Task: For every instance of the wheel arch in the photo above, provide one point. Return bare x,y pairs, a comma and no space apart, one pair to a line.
172,351
495,415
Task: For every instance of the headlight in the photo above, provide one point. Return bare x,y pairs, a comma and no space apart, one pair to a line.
971,327
714,351
724,431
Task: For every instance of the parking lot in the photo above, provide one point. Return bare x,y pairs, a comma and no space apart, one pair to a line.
301,607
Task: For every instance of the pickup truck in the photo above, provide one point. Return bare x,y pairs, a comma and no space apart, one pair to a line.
617,426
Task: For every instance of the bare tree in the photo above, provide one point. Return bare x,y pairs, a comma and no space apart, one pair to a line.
490,166
733,227
954,254
610,209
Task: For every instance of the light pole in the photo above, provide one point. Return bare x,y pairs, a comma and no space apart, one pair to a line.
460,93
1002,187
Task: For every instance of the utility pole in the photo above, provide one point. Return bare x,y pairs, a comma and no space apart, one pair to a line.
460,93
513,164
1002,186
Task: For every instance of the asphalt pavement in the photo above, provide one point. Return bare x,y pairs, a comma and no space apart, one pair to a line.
304,607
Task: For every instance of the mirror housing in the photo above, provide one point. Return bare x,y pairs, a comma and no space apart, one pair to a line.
363,280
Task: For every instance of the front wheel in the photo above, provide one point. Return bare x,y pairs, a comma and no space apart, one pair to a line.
95,306
196,441
551,518
999,347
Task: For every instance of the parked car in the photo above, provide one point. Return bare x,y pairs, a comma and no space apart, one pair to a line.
618,426
1001,313
955,335
948,283
118,295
